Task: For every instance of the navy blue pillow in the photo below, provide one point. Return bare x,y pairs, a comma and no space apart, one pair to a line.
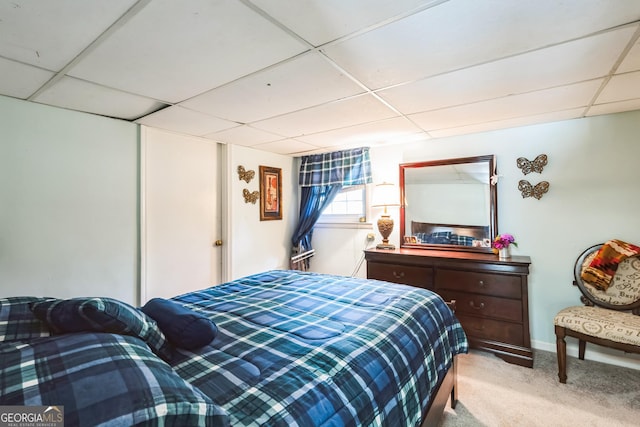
183,327
101,315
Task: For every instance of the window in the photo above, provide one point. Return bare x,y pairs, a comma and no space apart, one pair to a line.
348,206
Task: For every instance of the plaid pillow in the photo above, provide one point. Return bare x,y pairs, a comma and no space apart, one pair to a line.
103,380
17,322
439,237
421,237
102,315
456,239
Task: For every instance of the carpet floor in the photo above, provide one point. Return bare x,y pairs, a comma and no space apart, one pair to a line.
492,393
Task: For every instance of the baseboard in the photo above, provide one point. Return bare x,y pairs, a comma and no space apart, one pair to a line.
593,352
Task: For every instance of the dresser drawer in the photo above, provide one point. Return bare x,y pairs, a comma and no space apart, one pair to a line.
481,283
493,330
491,294
398,273
485,306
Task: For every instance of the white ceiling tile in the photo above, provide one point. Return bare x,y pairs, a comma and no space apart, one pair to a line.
614,107
509,123
50,34
510,107
621,87
321,21
243,135
303,82
235,73
287,147
578,60
461,33
632,61
20,80
84,96
172,50
348,112
178,119
385,131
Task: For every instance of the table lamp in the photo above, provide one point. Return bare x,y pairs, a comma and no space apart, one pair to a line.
385,195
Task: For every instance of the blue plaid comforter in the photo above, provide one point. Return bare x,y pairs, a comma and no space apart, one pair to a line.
304,349
101,380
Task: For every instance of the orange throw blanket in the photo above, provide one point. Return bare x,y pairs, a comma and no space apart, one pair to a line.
603,267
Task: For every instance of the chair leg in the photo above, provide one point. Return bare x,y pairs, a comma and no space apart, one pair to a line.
561,350
582,344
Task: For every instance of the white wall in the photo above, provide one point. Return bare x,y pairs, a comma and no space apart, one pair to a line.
594,196
254,245
68,203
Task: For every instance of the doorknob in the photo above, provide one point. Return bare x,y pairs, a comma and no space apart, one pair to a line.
218,242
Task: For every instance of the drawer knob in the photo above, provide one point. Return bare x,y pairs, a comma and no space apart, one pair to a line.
398,275
481,283
477,307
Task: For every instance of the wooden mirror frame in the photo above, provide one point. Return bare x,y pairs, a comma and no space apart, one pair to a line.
493,205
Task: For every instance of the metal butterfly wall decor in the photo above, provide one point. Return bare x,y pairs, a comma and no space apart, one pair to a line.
535,165
246,175
250,197
529,190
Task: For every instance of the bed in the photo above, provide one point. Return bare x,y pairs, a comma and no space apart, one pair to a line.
291,349
451,234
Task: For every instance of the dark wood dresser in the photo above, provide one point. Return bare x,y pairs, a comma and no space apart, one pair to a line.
491,294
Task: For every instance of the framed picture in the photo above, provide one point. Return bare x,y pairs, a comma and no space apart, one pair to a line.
270,193
410,239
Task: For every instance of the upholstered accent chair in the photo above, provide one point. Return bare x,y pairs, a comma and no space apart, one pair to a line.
609,318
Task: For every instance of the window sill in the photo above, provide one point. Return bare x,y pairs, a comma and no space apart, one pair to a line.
352,225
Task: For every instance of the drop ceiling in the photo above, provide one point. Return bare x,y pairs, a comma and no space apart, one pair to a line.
306,76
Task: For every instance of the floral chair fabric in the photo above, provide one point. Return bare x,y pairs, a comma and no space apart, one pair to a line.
602,323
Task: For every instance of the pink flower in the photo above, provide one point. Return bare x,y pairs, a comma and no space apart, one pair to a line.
503,241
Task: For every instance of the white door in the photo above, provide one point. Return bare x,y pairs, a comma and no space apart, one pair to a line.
181,214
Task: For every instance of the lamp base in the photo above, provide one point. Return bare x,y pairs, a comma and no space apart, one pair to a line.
385,226
388,246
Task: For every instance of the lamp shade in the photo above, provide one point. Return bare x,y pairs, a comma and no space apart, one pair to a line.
386,194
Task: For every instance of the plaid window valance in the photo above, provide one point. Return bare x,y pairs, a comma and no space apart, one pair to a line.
347,167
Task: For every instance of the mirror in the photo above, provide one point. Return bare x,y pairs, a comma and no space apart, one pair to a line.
449,204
